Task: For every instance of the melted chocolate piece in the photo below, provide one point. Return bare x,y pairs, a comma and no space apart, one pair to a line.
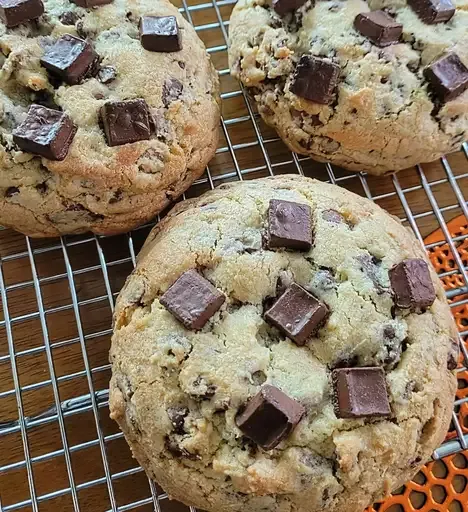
269,417
15,12
282,7
379,27
289,225
192,299
11,191
126,122
412,284
448,77
91,3
160,34
69,18
315,79
177,416
453,354
433,11
72,59
45,132
360,392
172,89
297,313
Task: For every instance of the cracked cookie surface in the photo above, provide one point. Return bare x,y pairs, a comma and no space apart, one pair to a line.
383,117
97,187
176,392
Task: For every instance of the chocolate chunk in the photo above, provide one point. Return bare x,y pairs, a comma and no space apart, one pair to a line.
160,34
289,225
192,299
379,27
315,79
72,59
412,285
453,354
282,7
91,3
45,132
11,191
125,121
172,89
15,12
177,416
360,392
107,74
270,417
297,313
448,77
333,216
433,11
69,18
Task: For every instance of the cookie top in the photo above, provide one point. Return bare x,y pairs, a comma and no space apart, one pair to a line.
376,107
137,116
251,373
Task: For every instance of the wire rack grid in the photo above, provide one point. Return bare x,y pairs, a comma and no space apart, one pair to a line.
59,450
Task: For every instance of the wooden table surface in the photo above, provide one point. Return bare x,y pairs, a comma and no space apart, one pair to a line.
58,327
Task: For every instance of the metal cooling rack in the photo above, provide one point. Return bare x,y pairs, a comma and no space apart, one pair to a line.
58,449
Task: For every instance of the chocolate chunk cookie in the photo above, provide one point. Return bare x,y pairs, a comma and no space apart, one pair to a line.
99,128
376,85
288,377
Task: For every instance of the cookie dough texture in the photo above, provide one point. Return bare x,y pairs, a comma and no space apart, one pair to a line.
100,188
175,392
383,118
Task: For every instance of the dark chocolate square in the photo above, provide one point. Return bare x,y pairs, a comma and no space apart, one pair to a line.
45,132
412,284
192,299
282,7
433,11
297,313
289,225
125,122
360,392
379,27
315,79
72,59
270,417
160,34
15,12
91,3
448,77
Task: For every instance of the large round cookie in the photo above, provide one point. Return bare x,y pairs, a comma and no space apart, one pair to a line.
383,115
179,393
105,183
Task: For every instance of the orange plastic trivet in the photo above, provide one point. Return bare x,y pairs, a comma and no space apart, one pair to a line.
442,485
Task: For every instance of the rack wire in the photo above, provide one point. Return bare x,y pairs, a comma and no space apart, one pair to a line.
59,450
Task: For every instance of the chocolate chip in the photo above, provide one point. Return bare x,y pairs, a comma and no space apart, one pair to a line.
107,74
297,313
15,12
69,18
259,378
379,27
289,225
125,122
201,390
448,77
11,191
71,58
282,7
433,11
160,34
171,91
412,285
270,417
192,299
389,332
177,416
181,64
360,392
118,194
453,354
42,188
45,132
91,3
333,216
315,79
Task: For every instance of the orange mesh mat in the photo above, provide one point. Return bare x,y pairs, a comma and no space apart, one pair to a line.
442,485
